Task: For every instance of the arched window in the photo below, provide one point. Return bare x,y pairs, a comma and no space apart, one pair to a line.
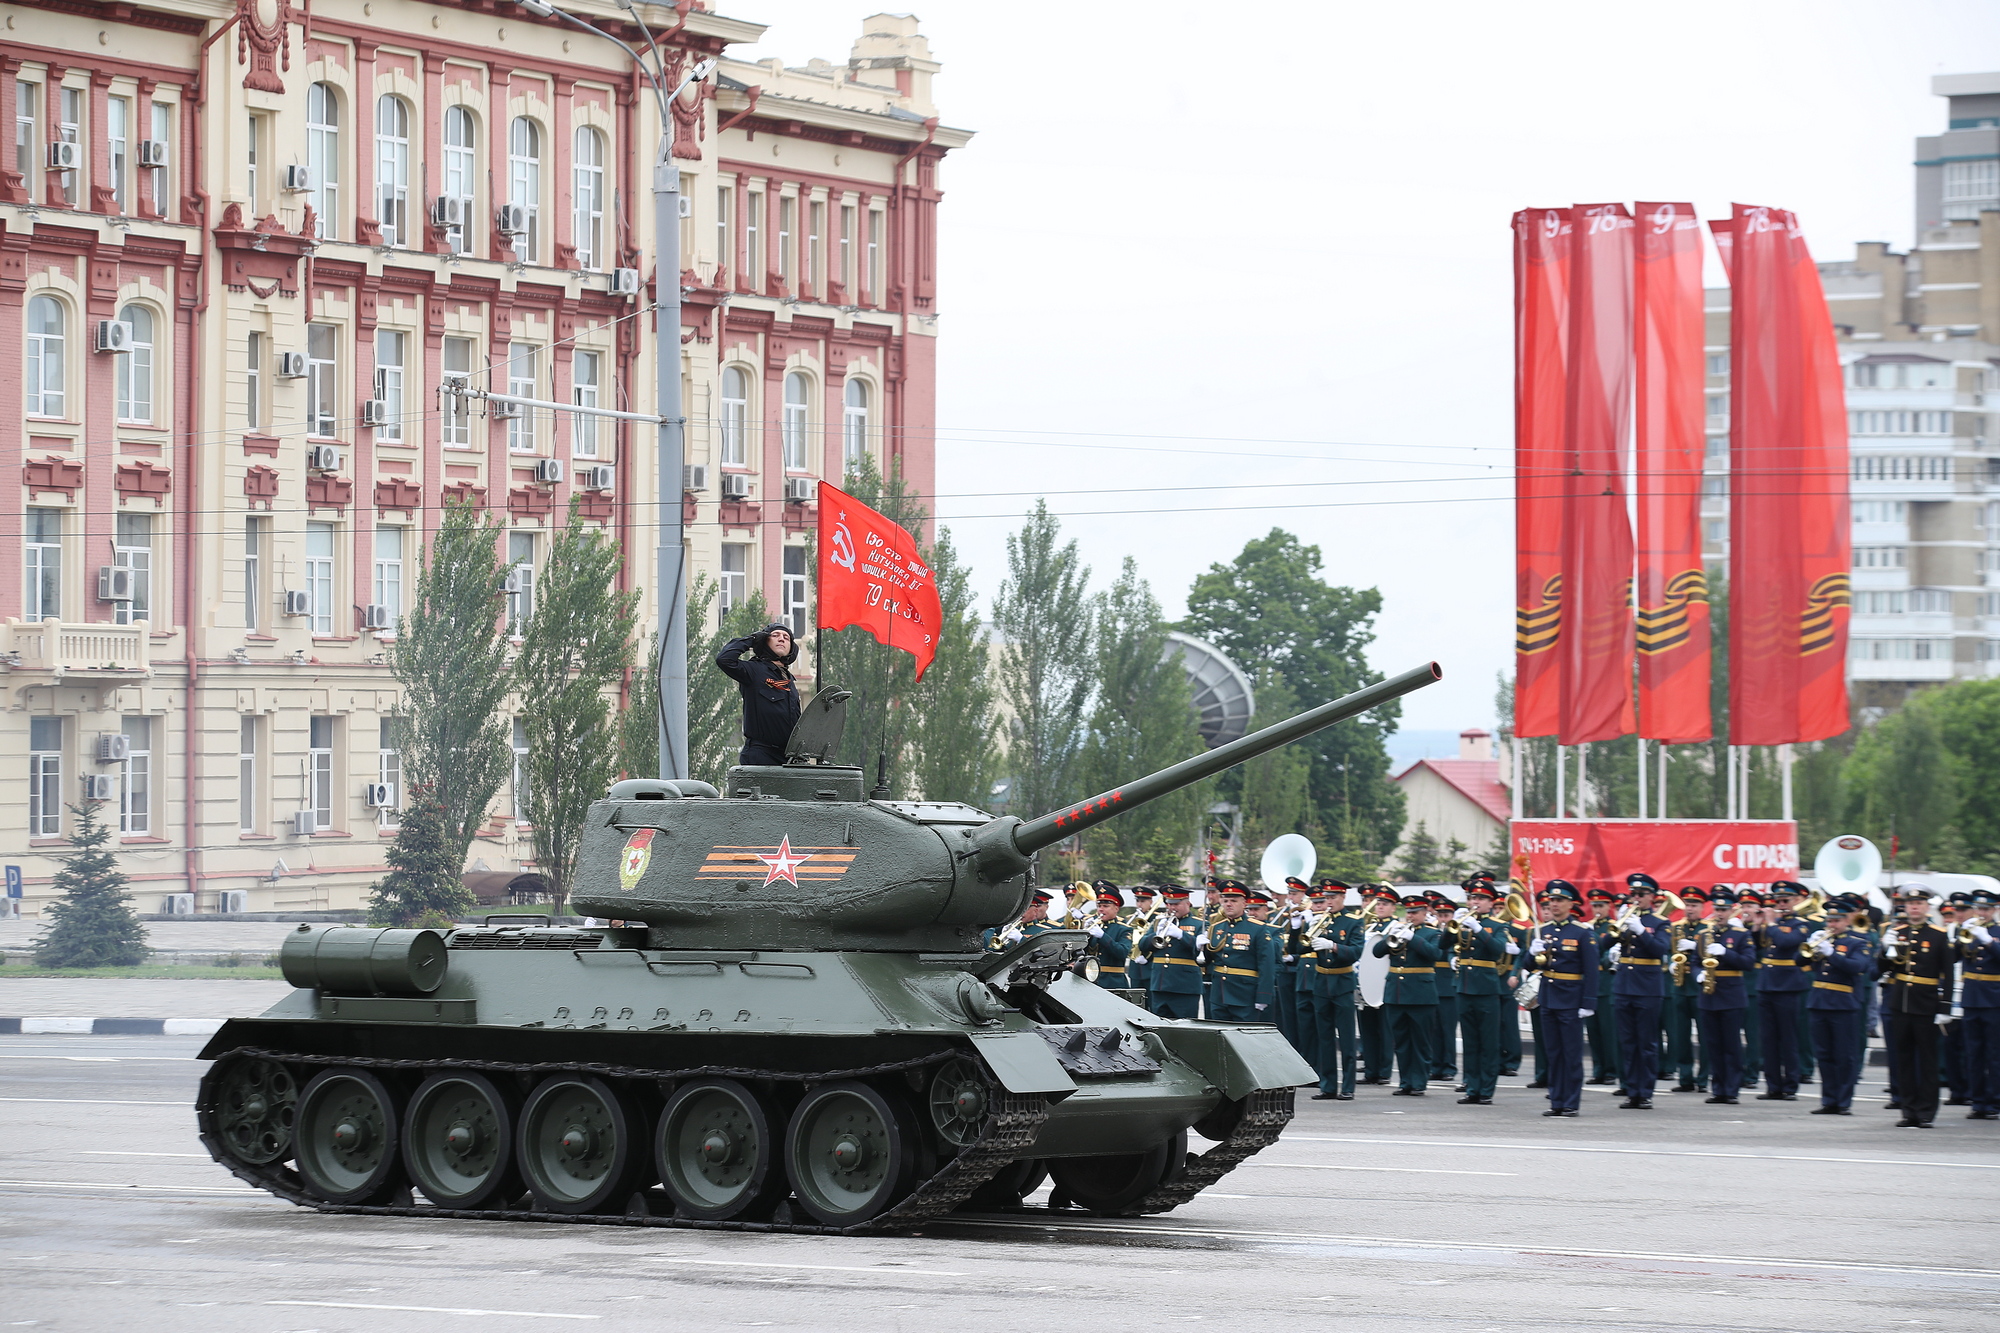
794,425
392,169
323,158
46,371
588,224
735,417
135,368
854,424
461,170
524,188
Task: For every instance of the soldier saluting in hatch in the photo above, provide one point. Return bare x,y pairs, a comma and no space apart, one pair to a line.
770,693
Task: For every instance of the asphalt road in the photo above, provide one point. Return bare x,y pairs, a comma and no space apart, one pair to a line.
1382,1213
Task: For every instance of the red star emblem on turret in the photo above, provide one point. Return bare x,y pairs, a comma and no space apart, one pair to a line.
785,865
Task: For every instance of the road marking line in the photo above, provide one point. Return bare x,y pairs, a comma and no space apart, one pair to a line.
1411,1170
116,1152
434,1309
1641,1152
115,1185
823,1268
105,1059
1556,1251
90,1101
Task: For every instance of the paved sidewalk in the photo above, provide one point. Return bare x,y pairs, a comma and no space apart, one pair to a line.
190,936
115,997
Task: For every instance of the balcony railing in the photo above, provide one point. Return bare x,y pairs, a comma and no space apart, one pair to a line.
63,648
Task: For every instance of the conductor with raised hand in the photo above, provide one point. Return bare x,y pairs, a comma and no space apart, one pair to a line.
770,694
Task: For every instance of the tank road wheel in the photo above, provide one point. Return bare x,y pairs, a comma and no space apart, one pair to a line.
576,1146
256,1103
1110,1185
458,1141
958,1101
715,1152
848,1153
347,1137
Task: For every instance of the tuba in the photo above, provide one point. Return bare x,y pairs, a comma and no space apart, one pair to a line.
1289,856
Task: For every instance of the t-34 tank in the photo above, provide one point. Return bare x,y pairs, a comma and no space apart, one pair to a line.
790,1025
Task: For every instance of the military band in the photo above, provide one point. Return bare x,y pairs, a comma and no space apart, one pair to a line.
1711,990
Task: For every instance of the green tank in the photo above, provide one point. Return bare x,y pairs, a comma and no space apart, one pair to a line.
792,1023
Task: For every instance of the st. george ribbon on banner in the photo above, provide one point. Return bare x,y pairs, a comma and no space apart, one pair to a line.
871,575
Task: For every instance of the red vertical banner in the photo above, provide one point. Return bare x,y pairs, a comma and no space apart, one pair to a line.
1788,509
1672,613
1541,318
1596,647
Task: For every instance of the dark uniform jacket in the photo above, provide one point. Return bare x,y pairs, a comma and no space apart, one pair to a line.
1778,956
1836,978
1176,966
1641,957
1412,975
1484,971
1980,982
1569,980
1111,950
1738,957
1333,969
1919,979
770,695
1242,962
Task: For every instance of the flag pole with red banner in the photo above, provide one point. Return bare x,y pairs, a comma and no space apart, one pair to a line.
1541,319
871,575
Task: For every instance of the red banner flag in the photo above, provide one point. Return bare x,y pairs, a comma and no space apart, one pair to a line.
1597,640
1541,319
1673,625
1789,538
871,575
1600,853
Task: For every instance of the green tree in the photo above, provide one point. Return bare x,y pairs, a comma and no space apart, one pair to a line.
1044,617
92,925
575,648
1420,860
715,708
1144,720
1272,793
425,885
1270,607
1967,717
450,657
1900,781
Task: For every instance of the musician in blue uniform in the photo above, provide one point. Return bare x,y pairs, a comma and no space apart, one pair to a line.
1242,962
1110,938
1979,996
1638,989
1173,945
1725,955
1485,960
1600,1031
1565,953
1780,986
1409,995
1835,959
1335,951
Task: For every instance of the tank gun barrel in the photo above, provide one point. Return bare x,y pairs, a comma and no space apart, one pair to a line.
1035,834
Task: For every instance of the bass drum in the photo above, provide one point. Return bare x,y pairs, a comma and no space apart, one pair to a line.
1371,974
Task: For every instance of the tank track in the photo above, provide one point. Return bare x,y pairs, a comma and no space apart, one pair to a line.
1261,1117
1008,1132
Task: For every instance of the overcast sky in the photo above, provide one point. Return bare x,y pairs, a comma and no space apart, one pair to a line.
1208,270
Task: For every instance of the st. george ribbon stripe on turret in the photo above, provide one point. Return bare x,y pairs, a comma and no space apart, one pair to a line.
1035,834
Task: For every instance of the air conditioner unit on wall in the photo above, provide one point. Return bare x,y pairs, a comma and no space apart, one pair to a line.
735,485
114,747
292,365
548,469
177,904
111,335
98,787
598,478
801,490
298,602
323,458
447,210
152,152
233,900
504,411
624,282
114,583
694,476
298,179
378,795
65,157
377,616
304,823
512,219
374,412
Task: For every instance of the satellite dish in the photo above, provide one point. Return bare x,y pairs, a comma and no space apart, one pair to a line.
1221,691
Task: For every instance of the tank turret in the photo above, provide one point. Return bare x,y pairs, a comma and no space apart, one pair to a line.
796,857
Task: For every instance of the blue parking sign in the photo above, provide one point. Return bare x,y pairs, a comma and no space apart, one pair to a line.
13,881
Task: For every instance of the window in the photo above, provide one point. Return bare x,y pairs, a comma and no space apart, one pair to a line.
70,130
1881,511
1718,530
461,165
389,570
45,368
256,533
520,580
854,424
1899,423
27,131
1718,451
753,245
521,381
1891,602
319,772
519,786
135,794
587,226
793,593
135,368
1881,557
876,223
1930,602
787,217
1718,363
524,157
735,588
118,141
132,548
44,564
723,197
457,413
815,264
586,372
319,577
253,382
1718,408
392,169
323,159
1989,603
163,125
253,146
247,820
45,796
794,425
847,251
735,417
389,349
1715,487
1893,467
389,769
1969,187
1899,650
320,379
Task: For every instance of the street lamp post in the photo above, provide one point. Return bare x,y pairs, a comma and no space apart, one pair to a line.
670,569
